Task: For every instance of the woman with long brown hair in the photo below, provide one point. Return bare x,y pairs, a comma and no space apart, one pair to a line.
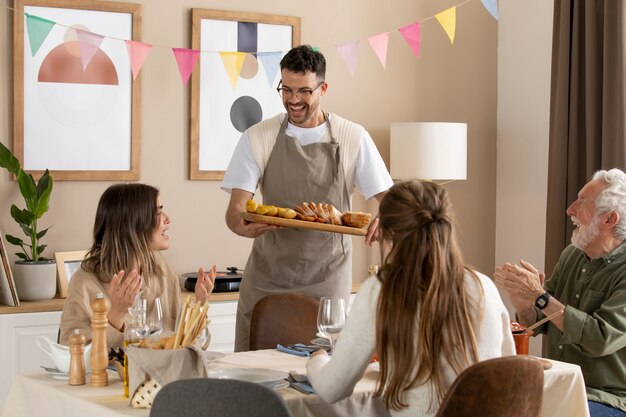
427,315
129,232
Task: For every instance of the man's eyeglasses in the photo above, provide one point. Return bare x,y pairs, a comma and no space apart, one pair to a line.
302,93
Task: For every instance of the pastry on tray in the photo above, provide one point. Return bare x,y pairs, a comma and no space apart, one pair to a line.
313,212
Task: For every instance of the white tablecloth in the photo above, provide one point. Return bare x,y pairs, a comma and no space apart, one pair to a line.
39,394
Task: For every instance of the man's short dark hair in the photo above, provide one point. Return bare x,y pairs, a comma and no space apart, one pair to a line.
302,59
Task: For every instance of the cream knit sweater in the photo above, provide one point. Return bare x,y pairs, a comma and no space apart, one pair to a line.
334,377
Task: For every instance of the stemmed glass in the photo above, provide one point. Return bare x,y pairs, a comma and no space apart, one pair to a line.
155,317
331,317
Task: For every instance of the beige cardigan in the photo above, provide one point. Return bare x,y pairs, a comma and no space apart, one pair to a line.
84,287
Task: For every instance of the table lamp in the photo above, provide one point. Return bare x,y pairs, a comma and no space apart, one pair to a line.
428,150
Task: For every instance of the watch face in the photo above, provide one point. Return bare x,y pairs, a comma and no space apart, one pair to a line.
542,301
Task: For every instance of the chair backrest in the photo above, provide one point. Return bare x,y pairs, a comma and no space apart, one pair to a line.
511,386
283,318
202,397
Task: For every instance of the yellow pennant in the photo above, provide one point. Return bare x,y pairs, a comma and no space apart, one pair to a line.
233,62
447,20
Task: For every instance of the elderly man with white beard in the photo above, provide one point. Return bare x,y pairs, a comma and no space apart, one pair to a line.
589,285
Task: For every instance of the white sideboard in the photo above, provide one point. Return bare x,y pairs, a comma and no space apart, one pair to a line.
18,351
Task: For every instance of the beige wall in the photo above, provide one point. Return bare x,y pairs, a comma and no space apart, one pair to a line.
449,83
523,123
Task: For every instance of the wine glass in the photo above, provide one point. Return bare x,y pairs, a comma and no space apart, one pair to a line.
155,317
331,317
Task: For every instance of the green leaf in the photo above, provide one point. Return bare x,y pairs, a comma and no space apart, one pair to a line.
21,216
42,233
41,248
28,189
8,161
43,192
14,240
22,256
27,230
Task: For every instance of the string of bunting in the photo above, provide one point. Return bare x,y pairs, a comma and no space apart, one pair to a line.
186,59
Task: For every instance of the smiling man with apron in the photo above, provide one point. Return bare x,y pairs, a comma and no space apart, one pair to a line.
307,155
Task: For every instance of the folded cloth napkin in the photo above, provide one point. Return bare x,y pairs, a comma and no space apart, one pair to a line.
164,366
303,387
297,349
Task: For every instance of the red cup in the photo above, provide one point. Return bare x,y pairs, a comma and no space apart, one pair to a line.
521,342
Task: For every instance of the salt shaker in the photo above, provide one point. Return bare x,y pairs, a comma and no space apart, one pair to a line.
77,359
99,353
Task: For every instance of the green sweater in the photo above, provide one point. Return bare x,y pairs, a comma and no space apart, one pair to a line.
594,336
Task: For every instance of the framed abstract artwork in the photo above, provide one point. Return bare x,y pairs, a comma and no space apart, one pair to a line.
76,107
235,83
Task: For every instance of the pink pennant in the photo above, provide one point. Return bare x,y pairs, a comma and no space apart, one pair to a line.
411,35
350,54
379,45
89,43
137,52
186,60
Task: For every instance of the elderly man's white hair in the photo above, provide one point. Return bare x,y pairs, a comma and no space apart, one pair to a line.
613,197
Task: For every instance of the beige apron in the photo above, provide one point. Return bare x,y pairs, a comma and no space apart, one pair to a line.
291,260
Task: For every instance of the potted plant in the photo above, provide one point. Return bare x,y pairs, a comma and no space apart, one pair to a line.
35,275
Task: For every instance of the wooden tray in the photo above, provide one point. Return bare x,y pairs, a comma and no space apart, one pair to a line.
301,224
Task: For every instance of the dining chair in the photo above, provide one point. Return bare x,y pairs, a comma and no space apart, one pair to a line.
202,397
283,318
510,386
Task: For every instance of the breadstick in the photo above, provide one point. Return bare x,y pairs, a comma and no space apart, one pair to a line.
192,323
179,328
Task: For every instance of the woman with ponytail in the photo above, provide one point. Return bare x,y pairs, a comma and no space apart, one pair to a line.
427,315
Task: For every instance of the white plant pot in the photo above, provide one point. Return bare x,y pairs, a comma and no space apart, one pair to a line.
35,280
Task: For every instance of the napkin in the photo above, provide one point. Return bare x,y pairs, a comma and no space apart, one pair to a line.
303,387
164,366
298,349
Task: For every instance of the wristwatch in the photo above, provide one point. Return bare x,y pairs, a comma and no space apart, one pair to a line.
542,301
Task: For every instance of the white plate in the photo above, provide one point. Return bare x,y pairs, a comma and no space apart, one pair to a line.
213,356
56,374
249,374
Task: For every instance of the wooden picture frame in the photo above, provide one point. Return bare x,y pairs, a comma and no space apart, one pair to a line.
234,85
8,292
81,123
67,264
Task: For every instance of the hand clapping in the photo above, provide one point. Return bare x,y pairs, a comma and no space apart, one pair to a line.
122,294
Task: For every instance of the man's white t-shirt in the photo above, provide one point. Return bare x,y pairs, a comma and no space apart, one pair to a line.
370,177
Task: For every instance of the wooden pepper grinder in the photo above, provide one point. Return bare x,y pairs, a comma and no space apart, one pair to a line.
99,354
77,358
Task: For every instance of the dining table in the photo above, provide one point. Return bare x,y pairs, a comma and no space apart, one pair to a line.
48,394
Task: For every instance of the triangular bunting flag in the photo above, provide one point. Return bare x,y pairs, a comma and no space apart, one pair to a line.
271,63
447,20
350,54
411,35
38,30
379,45
492,8
89,43
137,52
233,61
186,60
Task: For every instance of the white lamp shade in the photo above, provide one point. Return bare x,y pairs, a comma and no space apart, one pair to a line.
428,150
